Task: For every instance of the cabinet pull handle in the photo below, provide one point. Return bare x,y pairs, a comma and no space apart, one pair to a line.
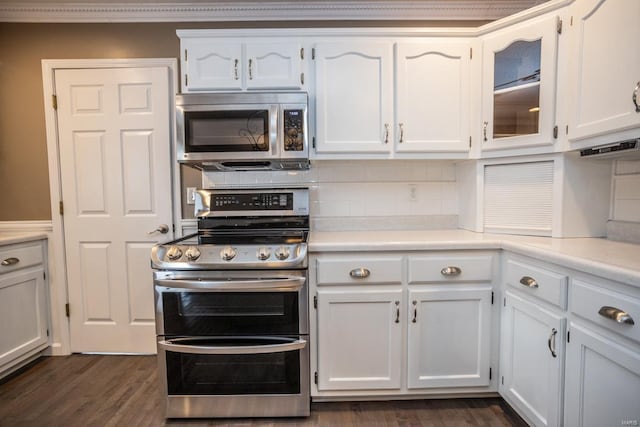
10,261
616,315
359,273
451,271
529,281
386,133
415,311
484,130
397,311
235,70
250,69
552,342
635,97
401,125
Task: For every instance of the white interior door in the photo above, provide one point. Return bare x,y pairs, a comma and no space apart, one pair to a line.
115,162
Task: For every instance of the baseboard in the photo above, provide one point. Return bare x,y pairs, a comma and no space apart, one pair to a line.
26,226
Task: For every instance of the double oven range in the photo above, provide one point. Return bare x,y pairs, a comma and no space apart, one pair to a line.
232,307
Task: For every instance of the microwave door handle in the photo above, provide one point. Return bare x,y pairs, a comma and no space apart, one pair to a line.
274,130
283,285
168,345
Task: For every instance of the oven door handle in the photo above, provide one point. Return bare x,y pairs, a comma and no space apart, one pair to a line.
168,345
285,285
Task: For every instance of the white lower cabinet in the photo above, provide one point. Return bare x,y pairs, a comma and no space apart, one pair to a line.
24,319
360,339
401,323
531,359
603,355
449,336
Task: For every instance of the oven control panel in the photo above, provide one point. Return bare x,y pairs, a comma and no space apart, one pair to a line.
229,256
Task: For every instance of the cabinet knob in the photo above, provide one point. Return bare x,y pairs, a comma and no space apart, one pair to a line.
616,315
386,133
552,342
635,97
359,273
10,261
401,126
529,282
451,271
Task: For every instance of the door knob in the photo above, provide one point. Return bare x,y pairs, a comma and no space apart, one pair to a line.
162,228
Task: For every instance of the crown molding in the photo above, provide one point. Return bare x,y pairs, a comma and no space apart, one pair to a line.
386,10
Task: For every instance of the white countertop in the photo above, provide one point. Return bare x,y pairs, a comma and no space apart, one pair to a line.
606,258
20,237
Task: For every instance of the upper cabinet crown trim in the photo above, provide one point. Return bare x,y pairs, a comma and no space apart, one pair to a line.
136,11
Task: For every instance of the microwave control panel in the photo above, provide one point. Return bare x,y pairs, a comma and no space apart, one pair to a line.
293,130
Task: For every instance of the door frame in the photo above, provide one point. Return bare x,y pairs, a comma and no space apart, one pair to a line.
58,286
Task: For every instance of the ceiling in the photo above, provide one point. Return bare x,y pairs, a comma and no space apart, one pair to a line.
257,10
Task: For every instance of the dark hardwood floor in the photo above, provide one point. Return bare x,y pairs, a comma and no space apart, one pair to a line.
97,390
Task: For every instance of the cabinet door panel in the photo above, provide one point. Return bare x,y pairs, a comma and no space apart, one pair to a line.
354,97
433,96
23,320
359,340
449,341
273,65
603,381
211,65
532,376
602,88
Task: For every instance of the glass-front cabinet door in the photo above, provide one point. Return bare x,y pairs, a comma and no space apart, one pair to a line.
519,85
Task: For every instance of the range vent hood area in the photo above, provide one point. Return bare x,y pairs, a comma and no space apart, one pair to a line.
628,148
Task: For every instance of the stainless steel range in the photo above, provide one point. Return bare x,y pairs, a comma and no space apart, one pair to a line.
232,307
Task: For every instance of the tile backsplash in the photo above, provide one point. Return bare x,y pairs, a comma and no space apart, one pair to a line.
350,194
626,191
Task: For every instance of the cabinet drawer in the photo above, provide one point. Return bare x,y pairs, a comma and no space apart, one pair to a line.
15,257
368,269
602,306
540,282
456,268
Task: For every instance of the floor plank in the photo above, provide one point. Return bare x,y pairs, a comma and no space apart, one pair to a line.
96,390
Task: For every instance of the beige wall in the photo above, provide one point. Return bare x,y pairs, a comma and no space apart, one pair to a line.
23,147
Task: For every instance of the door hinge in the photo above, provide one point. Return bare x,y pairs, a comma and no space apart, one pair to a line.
67,310
555,132
313,53
186,80
185,55
54,101
315,301
301,53
559,25
315,377
44,275
47,332
571,21
505,302
470,53
469,141
301,78
568,336
491,297
61,207
502,380
313,142
489,374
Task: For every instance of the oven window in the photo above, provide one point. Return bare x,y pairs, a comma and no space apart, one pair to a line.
233,374
230,313
227,131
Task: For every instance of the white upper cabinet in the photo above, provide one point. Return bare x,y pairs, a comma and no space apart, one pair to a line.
433,96
519,85
604,68
211,64
354,87
368,103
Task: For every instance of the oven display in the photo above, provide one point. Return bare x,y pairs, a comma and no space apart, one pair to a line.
256,201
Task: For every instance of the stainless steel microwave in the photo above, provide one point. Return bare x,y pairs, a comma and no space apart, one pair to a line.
243,131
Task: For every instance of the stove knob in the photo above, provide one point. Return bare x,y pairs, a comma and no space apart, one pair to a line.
282,253
227,253
263,253
174,253
192,253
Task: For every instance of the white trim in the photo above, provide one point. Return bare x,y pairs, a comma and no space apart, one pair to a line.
26,226
261,10
58,276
